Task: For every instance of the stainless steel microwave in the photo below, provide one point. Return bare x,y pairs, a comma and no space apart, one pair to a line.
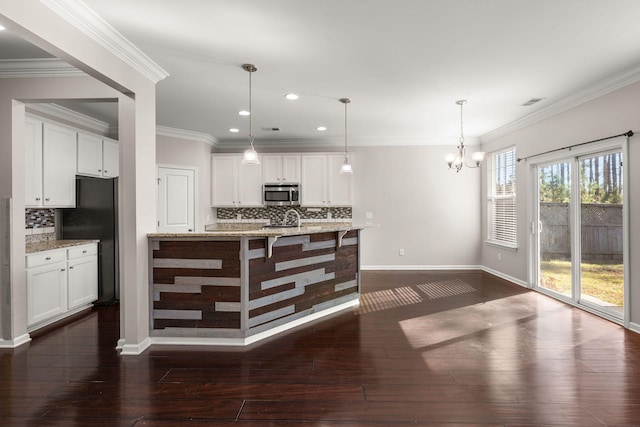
281,194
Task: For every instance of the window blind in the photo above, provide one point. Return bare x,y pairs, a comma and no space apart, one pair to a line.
502,198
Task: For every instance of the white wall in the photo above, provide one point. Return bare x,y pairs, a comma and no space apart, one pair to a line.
37,23
605,116
174,151
420,206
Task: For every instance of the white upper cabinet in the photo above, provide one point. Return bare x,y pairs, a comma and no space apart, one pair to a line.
249,185
234,184
110,158
33,162
89,155
50,165
314,180
322,182
97,156
281,169
339,186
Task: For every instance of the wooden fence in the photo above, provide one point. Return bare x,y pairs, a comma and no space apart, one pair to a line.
601,232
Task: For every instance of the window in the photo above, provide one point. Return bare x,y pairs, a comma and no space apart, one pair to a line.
501,203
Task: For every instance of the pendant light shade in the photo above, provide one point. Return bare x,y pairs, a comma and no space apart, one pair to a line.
457,160
346,166
250,155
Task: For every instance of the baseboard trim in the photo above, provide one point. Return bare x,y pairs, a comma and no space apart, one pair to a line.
15,343
239,342
420,267
635,327
506,277
134,349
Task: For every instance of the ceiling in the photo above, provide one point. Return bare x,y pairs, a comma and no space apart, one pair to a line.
403,63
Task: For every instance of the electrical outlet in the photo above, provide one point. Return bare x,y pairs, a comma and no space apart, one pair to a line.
401,252
499,256
369,215
239,216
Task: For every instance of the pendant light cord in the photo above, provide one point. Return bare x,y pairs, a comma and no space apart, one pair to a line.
345,130
250,113
461,124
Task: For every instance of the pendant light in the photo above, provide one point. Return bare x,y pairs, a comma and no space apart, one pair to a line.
250,155
457,161
346,166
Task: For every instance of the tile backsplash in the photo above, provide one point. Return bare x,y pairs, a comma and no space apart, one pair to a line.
40,218
40,225
275,214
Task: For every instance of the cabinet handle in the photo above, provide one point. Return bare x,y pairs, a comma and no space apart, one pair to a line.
99,170
106,171
47,199
48,258
84,252
70,268
62,269
37,198
191,229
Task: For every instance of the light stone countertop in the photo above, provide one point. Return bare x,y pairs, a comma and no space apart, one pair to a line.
50,245
258,231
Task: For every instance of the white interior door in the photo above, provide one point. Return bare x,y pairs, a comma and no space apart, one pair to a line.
176,199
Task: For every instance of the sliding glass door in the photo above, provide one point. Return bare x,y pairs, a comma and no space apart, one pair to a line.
579,228
601,212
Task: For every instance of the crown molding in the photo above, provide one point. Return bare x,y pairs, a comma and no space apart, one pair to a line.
43,67
89,23
610,84
61,113
187,134
338,142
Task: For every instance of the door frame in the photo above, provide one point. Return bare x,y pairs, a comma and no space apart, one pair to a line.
571,154
194,169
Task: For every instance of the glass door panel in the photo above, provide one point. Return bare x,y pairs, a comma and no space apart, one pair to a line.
601,260
554,226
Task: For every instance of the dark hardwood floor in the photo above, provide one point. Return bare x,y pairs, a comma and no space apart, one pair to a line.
426,348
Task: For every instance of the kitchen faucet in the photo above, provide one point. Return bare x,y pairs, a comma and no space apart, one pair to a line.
286,214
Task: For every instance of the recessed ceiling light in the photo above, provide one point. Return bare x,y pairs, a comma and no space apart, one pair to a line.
234,130
291,96
321,128
244,113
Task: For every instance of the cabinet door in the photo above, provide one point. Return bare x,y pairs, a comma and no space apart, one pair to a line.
89,155
314,180
339,185
82,281
33,163
250,185
291,169
110,158
224,180
46,292
176,200
272,169
59,166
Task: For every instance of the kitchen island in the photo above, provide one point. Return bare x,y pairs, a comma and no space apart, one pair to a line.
235,287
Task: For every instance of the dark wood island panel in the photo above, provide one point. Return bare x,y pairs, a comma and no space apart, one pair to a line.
242,289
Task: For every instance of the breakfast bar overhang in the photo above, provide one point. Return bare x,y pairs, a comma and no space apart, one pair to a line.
237,287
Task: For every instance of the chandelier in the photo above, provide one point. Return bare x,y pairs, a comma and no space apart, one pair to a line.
457,160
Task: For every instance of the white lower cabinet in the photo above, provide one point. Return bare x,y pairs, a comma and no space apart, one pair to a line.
46,292
60,281
82,277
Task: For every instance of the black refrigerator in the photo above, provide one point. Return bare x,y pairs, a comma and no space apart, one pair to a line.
96,217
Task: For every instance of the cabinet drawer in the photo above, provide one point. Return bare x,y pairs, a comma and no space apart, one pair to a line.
45,258
82,251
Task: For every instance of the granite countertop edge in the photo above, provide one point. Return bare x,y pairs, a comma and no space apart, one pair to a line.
268,232
51,245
